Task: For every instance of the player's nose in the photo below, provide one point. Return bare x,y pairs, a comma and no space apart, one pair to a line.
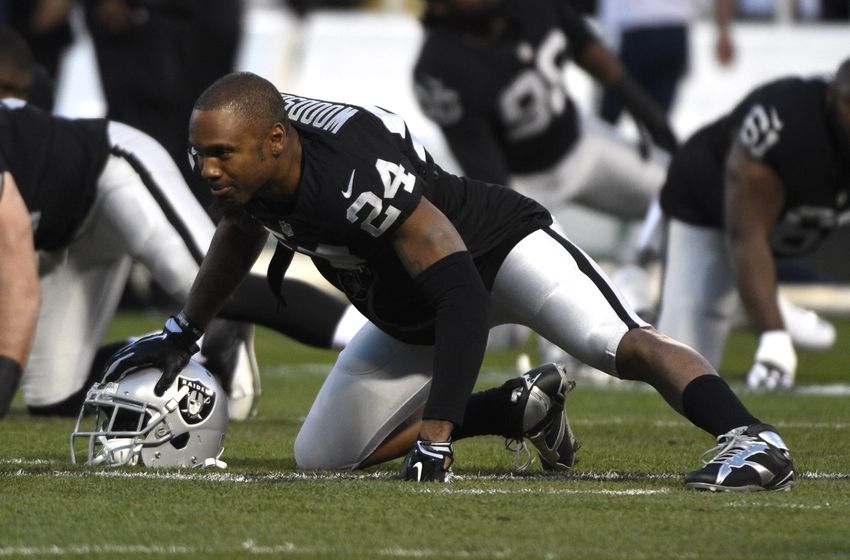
210,168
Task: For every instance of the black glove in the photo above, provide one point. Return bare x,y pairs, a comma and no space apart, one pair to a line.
168,351
648,116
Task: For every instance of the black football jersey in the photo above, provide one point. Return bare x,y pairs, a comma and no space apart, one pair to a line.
56,163
503,105
362,176
787,125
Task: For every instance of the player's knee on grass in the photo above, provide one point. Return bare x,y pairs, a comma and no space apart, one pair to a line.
312,452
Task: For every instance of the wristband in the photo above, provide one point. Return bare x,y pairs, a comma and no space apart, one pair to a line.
180,324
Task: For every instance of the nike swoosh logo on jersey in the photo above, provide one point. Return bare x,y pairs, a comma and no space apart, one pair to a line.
347,192
418,466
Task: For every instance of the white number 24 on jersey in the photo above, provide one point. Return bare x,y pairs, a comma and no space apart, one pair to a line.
393,176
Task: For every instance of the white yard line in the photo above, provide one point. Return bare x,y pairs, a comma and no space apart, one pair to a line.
536,491
325,476
89,549
249,547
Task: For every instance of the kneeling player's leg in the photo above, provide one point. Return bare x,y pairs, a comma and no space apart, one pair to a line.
683,377
377,384
549,284
80,290
698,297
552,286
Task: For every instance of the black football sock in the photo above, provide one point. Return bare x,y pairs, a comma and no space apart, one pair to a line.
710,404
491,412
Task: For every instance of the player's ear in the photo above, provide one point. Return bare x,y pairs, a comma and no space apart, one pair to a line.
278,138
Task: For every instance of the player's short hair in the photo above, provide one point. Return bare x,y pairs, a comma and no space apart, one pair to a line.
250,97
16,59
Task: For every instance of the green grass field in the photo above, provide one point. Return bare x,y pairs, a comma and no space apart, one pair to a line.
623,500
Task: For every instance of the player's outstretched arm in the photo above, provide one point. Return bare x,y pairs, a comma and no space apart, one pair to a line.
754,198
650,119
19,289
234,249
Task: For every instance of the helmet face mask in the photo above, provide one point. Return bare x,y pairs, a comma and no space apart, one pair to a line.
125,423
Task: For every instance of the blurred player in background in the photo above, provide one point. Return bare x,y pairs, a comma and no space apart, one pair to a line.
768,180
491,74
95,195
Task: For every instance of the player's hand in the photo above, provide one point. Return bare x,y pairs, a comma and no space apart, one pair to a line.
168,351
776,362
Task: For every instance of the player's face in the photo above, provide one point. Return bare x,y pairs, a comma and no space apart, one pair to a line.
229,155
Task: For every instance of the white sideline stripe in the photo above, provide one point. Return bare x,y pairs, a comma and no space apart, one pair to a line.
829,390
15,461
538,491
674,423
249,478
762,505
86,549
249,547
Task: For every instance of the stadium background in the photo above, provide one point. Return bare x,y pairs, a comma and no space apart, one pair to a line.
623,501
365,56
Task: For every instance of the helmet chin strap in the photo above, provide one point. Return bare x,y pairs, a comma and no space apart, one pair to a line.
215,462
117,452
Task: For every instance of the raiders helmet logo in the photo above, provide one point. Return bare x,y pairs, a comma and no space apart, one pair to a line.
198,403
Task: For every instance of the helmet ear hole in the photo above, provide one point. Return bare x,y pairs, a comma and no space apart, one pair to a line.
180,441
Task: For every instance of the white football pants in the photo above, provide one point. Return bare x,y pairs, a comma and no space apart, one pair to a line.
546,283
603,172
699,299
143,211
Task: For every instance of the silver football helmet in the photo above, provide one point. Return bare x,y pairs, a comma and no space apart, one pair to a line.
125,423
